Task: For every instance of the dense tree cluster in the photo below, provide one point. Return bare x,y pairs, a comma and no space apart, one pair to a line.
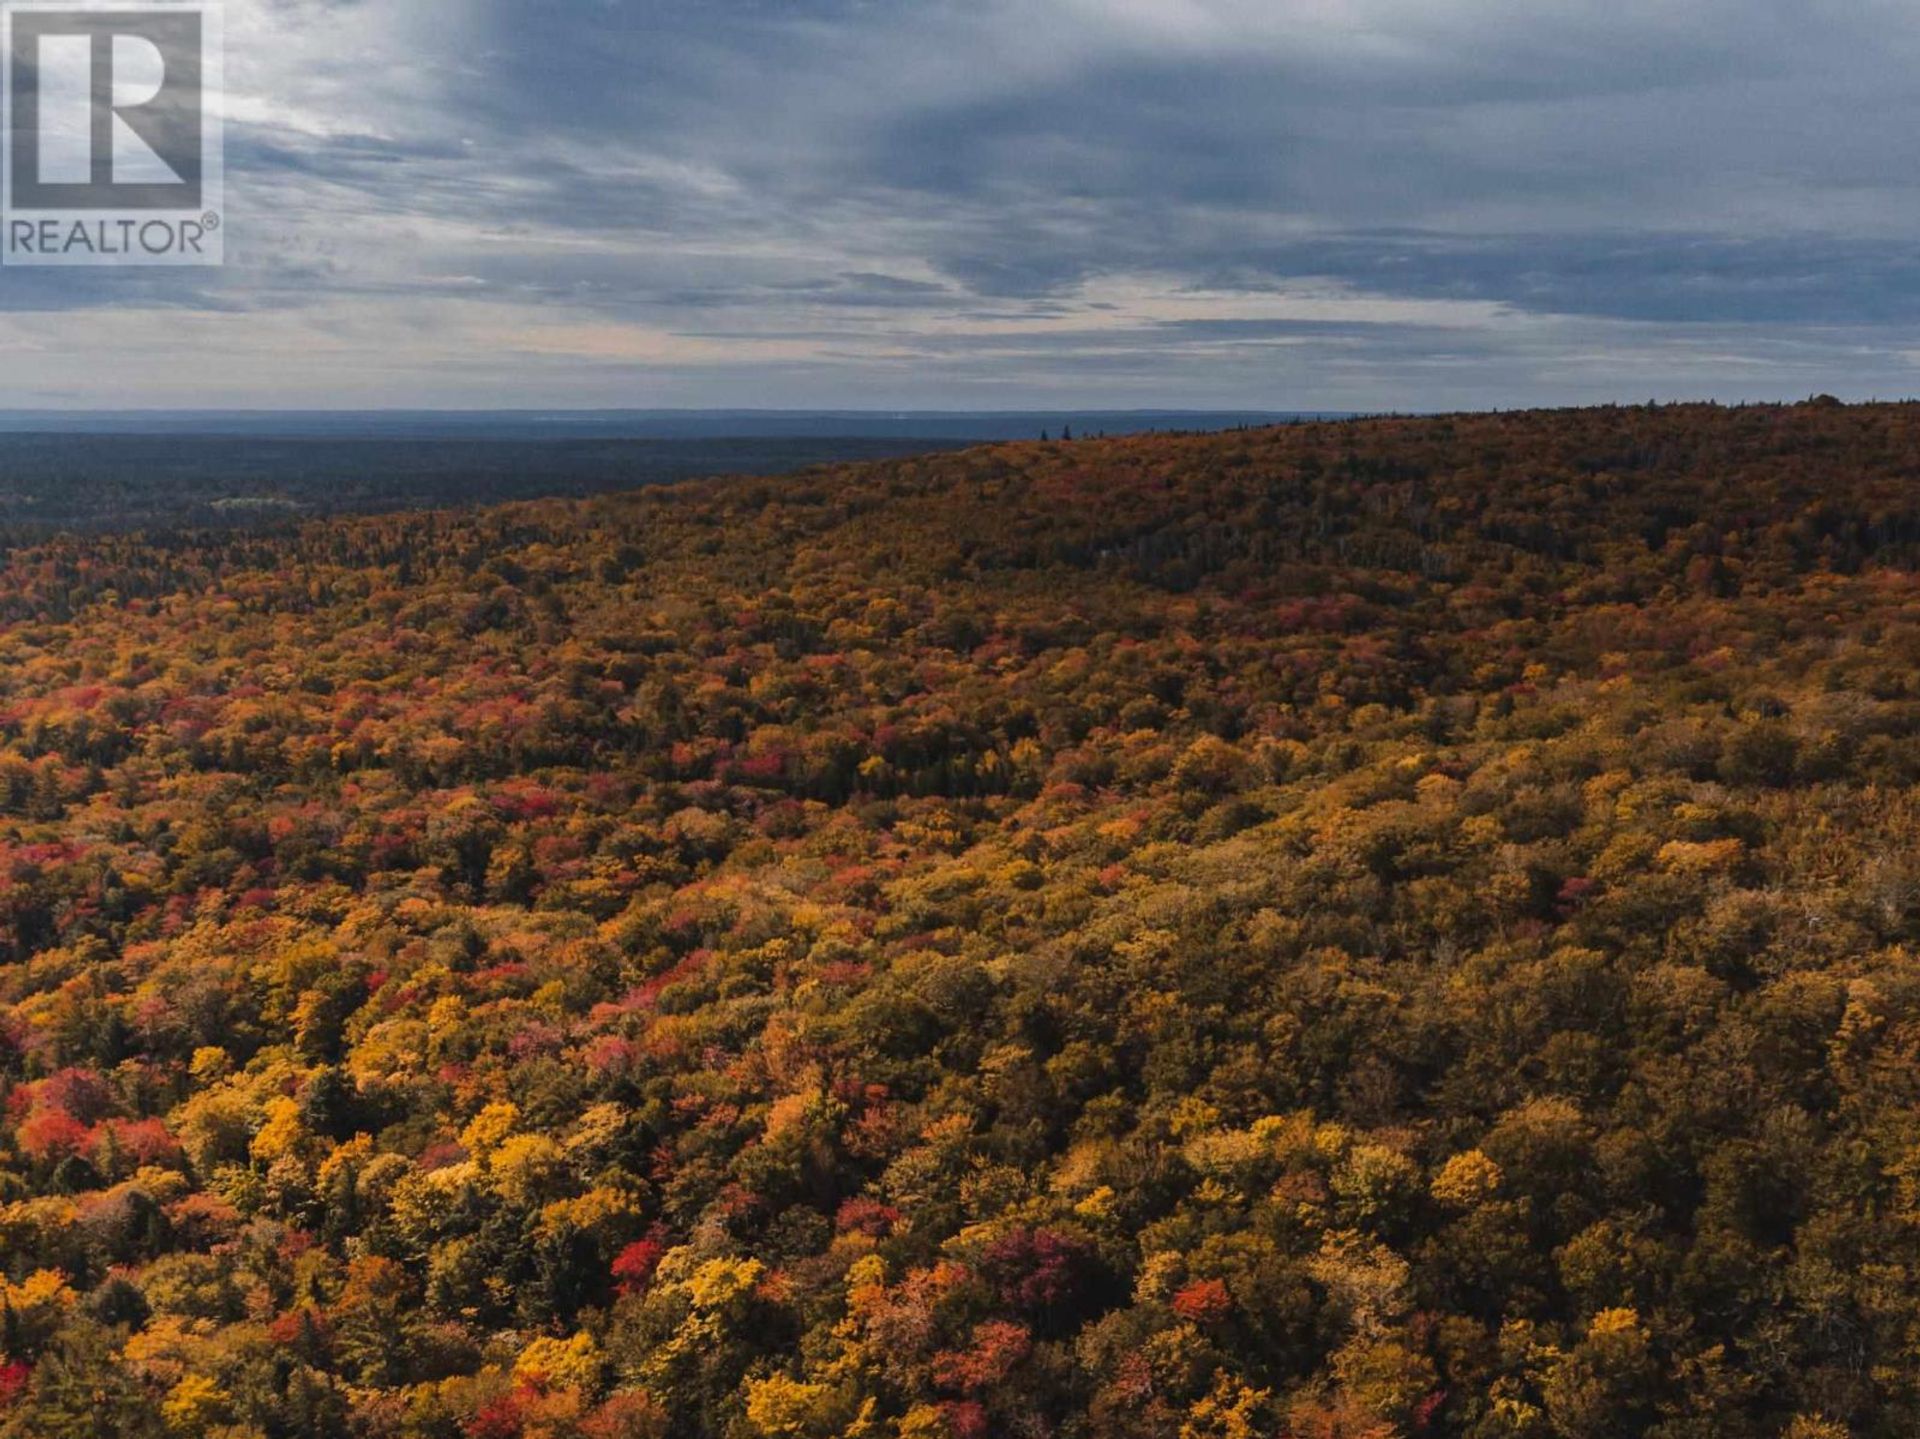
1358,930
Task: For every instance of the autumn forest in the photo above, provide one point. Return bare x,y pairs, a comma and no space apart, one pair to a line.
1355,930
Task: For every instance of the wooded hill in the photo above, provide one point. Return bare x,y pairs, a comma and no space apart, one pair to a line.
1389,928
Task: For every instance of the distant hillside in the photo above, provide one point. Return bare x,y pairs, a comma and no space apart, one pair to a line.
146,470
940,425
127,481
1390,928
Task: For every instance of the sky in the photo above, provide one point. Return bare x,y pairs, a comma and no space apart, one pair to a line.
1028,204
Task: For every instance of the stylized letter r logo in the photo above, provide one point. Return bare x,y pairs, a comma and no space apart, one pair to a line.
107,110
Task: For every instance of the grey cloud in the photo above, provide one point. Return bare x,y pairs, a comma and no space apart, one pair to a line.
1715,196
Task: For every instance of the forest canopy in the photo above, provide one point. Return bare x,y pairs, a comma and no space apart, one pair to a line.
1352,930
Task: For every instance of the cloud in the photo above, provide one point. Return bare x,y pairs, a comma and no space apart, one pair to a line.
1321,203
